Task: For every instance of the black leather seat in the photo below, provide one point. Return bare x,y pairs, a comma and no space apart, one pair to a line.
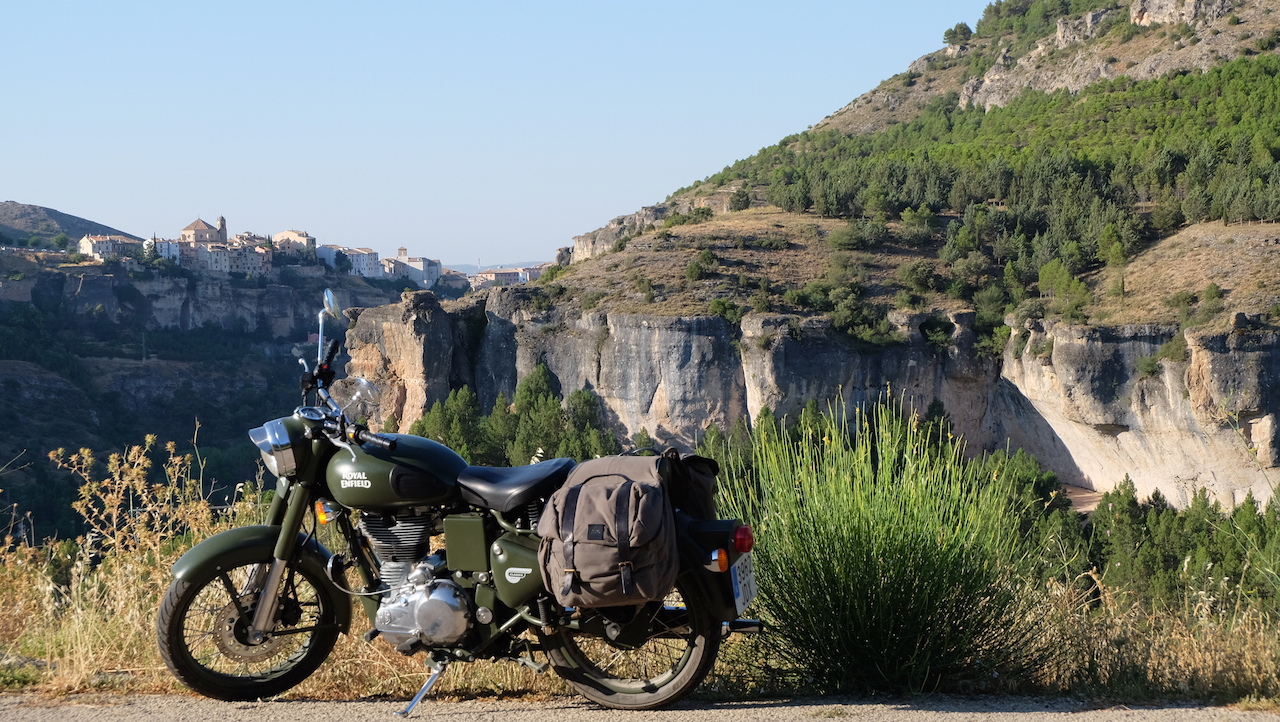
505,489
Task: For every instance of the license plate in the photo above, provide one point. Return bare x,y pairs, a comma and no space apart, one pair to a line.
743,574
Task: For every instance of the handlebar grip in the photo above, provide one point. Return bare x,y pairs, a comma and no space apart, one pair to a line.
330,352
378,440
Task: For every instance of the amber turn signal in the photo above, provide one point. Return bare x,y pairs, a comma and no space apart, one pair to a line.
325,511
744,540
719,561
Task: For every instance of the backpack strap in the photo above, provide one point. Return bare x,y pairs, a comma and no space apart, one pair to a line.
566,528
622,528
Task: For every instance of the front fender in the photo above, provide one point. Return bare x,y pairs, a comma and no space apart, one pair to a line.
250,544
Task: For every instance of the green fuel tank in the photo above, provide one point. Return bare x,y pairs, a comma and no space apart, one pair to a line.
419,471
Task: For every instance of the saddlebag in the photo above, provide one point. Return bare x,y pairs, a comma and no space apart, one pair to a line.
608,535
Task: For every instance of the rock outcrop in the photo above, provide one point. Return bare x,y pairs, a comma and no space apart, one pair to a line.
1076,399
1072,396
181,303
1147,12
602,239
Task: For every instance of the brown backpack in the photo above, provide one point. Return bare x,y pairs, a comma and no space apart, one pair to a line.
608,535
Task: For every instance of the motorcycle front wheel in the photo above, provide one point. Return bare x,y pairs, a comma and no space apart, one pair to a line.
203,624
679,652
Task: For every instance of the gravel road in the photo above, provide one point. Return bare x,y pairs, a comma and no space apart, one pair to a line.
173,708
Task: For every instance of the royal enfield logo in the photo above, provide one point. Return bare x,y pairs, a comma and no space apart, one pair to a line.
515,574
356,479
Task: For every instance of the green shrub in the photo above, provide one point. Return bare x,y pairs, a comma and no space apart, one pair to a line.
695,271
884,559
937,332
727,310
1148,366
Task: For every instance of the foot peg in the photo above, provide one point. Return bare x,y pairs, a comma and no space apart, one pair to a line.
538,667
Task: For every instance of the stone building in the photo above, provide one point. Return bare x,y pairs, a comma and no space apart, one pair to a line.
201,232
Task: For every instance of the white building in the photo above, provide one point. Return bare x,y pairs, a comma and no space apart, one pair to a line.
422,271
103,247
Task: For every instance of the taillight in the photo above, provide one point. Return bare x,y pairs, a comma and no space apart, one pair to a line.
743,539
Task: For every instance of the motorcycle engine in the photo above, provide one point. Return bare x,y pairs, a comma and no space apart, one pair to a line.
436,612
418,606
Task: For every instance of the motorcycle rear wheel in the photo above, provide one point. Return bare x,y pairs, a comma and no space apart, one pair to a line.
666,667
202,624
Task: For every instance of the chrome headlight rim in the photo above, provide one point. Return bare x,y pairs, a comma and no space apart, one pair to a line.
272,439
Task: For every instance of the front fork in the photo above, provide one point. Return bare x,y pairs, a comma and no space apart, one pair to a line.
288,509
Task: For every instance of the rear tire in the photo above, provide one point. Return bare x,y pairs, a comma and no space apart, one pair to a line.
668,666
202,624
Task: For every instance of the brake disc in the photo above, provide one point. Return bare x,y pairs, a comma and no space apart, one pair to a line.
231,633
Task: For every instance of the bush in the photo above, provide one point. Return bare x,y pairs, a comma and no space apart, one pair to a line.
890,562
917,275
695,271
727,310
1148,366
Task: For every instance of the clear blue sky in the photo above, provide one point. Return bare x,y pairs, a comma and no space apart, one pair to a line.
470,130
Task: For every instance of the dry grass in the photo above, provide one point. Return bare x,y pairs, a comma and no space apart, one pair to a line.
1243,259
1217,649
81,617
614,279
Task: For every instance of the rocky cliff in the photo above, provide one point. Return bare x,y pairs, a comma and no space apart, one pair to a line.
1067,61
1070,395
181,303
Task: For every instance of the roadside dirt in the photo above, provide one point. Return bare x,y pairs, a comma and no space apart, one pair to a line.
936,708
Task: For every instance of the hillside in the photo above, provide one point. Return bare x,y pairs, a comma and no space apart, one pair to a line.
1063,198
19,222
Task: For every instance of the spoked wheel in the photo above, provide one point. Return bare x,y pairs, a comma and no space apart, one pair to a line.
203,632
667,663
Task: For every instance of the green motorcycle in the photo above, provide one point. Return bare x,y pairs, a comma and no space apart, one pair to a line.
253,611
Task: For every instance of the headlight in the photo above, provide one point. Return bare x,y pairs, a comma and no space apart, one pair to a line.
272,439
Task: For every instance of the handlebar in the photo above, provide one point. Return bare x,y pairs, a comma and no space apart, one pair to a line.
364,436
330,352
359,435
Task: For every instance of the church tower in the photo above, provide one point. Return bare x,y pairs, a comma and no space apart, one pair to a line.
222,229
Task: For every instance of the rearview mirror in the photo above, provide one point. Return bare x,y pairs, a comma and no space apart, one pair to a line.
331,306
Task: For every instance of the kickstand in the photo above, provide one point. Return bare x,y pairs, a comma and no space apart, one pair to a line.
437,669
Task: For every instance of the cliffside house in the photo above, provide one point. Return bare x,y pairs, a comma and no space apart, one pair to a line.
293,241
422,271
495,277
102,248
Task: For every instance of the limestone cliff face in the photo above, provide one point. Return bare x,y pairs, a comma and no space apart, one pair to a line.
1066,62
181,303
406,350
1073,396
602,239
1146,12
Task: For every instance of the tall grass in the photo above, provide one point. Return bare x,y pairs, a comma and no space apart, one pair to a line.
885,559
79,615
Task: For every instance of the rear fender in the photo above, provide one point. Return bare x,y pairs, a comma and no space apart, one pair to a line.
249,544
697,539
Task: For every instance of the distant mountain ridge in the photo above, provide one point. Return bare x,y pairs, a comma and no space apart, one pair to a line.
21,221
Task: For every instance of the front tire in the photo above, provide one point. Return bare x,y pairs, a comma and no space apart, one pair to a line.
666,667
202,624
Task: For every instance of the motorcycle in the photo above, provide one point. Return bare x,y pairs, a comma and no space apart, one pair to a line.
255,610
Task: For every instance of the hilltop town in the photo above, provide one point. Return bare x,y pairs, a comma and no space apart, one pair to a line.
207,248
